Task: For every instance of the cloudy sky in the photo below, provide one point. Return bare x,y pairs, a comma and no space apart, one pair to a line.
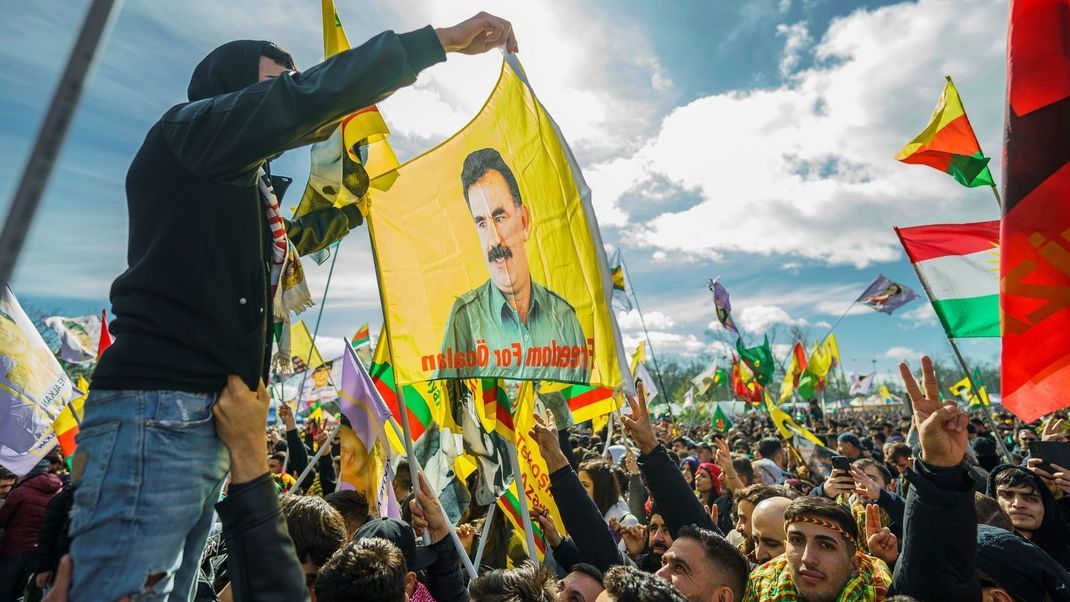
751,141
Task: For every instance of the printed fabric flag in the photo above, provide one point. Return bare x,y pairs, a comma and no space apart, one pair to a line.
722,305
304,352
366,452
362,338
1034,246
964,391
357,155
786,425
496,405
509,505
33,390
536,476
861,385
959,264
498,270
105,339
759,359
689,397
794,371
426,403
79,337
886,296
743,384
66,425
587,403
949,144
642,374
824,357
720,421
622,290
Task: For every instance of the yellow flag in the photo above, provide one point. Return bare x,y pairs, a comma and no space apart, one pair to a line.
824,357
532,464
786,425
302,348
507,200
639,356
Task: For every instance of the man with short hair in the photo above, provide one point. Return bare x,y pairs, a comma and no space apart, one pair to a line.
704,567
767,528
583,583
848,444
770,467
745,501
1023,437
821,559
510,307
370,569
352,505
528,582
629,584
277,462
1033,510
210,256
316,529
658,541
7,481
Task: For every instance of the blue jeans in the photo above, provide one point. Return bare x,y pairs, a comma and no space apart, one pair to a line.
143,505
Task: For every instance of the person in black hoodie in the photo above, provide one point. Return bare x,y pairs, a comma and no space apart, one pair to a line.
1032,508
196,303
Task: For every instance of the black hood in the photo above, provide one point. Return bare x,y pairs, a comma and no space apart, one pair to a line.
229,68
1020,567
1053,536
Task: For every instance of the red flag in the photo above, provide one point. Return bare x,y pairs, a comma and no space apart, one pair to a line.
105,336
1035,237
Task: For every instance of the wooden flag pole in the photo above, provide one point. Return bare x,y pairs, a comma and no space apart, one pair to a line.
522,498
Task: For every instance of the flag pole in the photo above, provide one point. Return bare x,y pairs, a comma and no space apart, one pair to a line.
984,409
319,316
646,333
995,191
962,364
485,532
96,27
522,499
999,199
414,465
314,460
837,322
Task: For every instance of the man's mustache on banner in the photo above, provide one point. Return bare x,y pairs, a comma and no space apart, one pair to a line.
499,251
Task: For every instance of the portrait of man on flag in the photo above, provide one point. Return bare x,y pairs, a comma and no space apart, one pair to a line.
499,270
510,305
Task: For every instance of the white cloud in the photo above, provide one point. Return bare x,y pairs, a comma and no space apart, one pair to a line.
922,315
759,318
796,40
901,354
655,320
675,343
806,169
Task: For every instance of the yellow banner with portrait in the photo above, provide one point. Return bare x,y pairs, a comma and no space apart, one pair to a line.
490,260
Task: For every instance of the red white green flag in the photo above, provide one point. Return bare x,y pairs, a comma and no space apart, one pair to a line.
510,506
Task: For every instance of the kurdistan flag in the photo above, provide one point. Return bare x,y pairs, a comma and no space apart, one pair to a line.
959,265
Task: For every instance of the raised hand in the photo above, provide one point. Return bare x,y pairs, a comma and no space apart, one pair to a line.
882,543
427,511
546,523
467,534
544,432
1058,479
634,539
864,484
1055,430
478,35
838,483
638,423
631,462
941,426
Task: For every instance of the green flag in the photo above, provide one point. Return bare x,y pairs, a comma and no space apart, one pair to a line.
759,359
720,420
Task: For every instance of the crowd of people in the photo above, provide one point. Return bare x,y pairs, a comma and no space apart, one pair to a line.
653,511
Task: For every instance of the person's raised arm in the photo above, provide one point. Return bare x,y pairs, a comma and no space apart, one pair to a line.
253,526
938,556
672,495
445,581
226,137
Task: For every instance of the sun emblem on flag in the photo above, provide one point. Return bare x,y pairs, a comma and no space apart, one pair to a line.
993,257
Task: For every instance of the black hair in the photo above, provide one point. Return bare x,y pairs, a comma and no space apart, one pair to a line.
478,163
989,512
1015,477
744,468
604,491
629,584
370,568
769,446
731,565
278,55
280,456
352,505
862,463
588,569
317,529
528,582
897,450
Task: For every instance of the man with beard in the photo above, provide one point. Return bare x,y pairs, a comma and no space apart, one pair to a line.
658,541
821,561
509,307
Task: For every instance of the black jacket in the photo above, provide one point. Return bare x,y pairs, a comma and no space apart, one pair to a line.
584,523
255,534
52,540
674,498
297,461
1053,536
193,304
